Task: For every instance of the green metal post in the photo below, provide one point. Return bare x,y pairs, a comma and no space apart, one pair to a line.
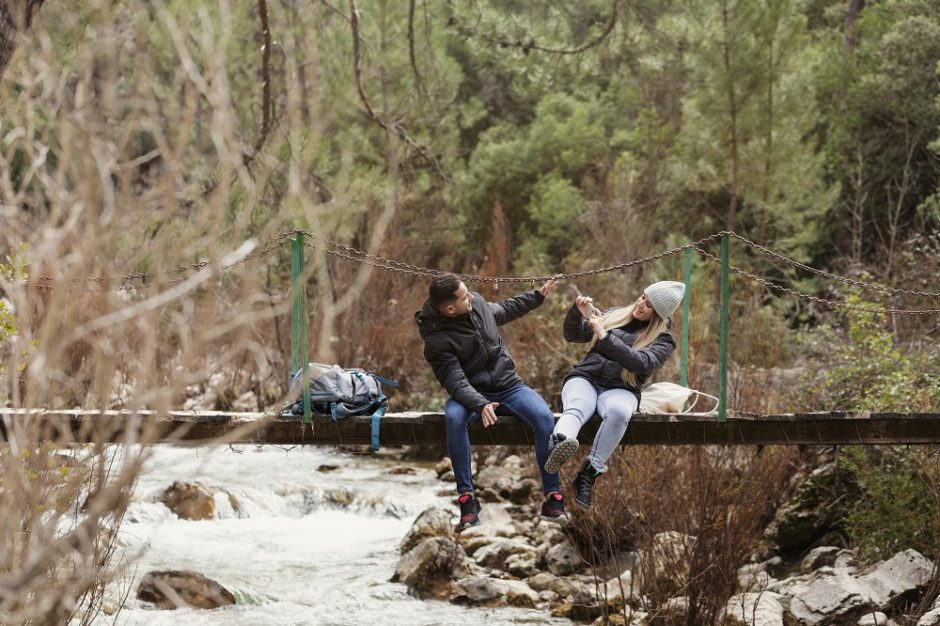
298,319
684,351
723,334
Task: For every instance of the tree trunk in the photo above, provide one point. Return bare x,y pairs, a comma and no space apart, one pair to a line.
15,18
733,113
852,11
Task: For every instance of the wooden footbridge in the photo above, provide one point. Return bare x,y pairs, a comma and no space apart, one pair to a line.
723,427
188,427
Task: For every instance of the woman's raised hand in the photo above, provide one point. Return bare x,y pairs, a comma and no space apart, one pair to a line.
584,305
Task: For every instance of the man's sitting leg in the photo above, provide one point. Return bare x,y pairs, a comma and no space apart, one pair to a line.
457,419
531,408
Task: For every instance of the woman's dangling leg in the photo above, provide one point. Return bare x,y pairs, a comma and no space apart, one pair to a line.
616,407
579,399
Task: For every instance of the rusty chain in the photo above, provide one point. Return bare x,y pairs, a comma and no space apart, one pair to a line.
132,282
843,279
355,255
352,254
806,296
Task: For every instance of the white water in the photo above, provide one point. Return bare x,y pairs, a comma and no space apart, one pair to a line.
290,554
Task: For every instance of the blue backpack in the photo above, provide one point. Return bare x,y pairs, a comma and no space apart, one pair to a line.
337,393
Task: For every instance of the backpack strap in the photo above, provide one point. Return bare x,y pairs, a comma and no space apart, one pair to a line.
376,416
385,381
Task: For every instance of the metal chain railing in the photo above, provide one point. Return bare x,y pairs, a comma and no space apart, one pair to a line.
339,250
806,296
843,279
352,254
131,282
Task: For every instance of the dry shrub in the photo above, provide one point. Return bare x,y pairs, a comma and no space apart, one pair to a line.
691,516
101,179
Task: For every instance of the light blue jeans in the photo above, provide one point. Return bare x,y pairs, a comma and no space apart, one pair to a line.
581,399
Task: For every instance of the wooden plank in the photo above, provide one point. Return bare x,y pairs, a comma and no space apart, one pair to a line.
428,428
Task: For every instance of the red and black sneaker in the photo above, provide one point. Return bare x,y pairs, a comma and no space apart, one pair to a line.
553,509
469,511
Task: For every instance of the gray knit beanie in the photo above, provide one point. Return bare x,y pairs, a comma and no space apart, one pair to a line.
665,297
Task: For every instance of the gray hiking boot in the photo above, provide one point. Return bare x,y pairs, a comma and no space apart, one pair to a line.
560,449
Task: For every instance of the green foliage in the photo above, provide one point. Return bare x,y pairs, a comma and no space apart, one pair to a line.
898,507
867,370
878,99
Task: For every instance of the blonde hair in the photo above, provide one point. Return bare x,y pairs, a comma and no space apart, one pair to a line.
615,318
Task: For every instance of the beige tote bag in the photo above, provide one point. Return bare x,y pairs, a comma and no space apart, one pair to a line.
671,398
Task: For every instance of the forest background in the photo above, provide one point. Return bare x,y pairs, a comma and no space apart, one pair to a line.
505,138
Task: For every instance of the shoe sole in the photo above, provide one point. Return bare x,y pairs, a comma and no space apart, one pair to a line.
561,453
561,520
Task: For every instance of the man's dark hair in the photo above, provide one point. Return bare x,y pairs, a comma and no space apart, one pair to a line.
443,290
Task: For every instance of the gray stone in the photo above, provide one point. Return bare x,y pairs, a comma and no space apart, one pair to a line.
432,522
756,609
490,591
183,589
819,557
522,565
818,505
495,522
189,501
666,562
875,618
932,617
431,562
494,555
542,581
562,559
833,592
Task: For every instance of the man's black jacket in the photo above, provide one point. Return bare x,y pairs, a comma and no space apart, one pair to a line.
466,353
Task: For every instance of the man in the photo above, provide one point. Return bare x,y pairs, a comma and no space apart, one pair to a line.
466,353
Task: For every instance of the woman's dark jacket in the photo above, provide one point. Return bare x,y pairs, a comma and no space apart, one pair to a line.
466,353
607,359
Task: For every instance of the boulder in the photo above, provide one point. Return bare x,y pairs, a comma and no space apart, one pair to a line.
189,501
245,403
522,565
183,589
756,609
818,505
875,618
665,564
431,565
840,594
496,479
494,555
542,581
481,590
432,522
823,556
563,559
931,617
495,522
754,577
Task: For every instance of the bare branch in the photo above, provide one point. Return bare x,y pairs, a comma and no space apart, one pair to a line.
267,104
394,127
15,18
526,46
411,48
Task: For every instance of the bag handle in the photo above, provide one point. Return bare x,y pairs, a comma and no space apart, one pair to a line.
698,395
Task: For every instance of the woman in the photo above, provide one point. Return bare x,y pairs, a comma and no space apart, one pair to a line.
630,343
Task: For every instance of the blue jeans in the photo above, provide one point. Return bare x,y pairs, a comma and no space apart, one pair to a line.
581,398
520,401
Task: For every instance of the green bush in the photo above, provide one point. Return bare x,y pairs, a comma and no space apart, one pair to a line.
898,506
866,369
